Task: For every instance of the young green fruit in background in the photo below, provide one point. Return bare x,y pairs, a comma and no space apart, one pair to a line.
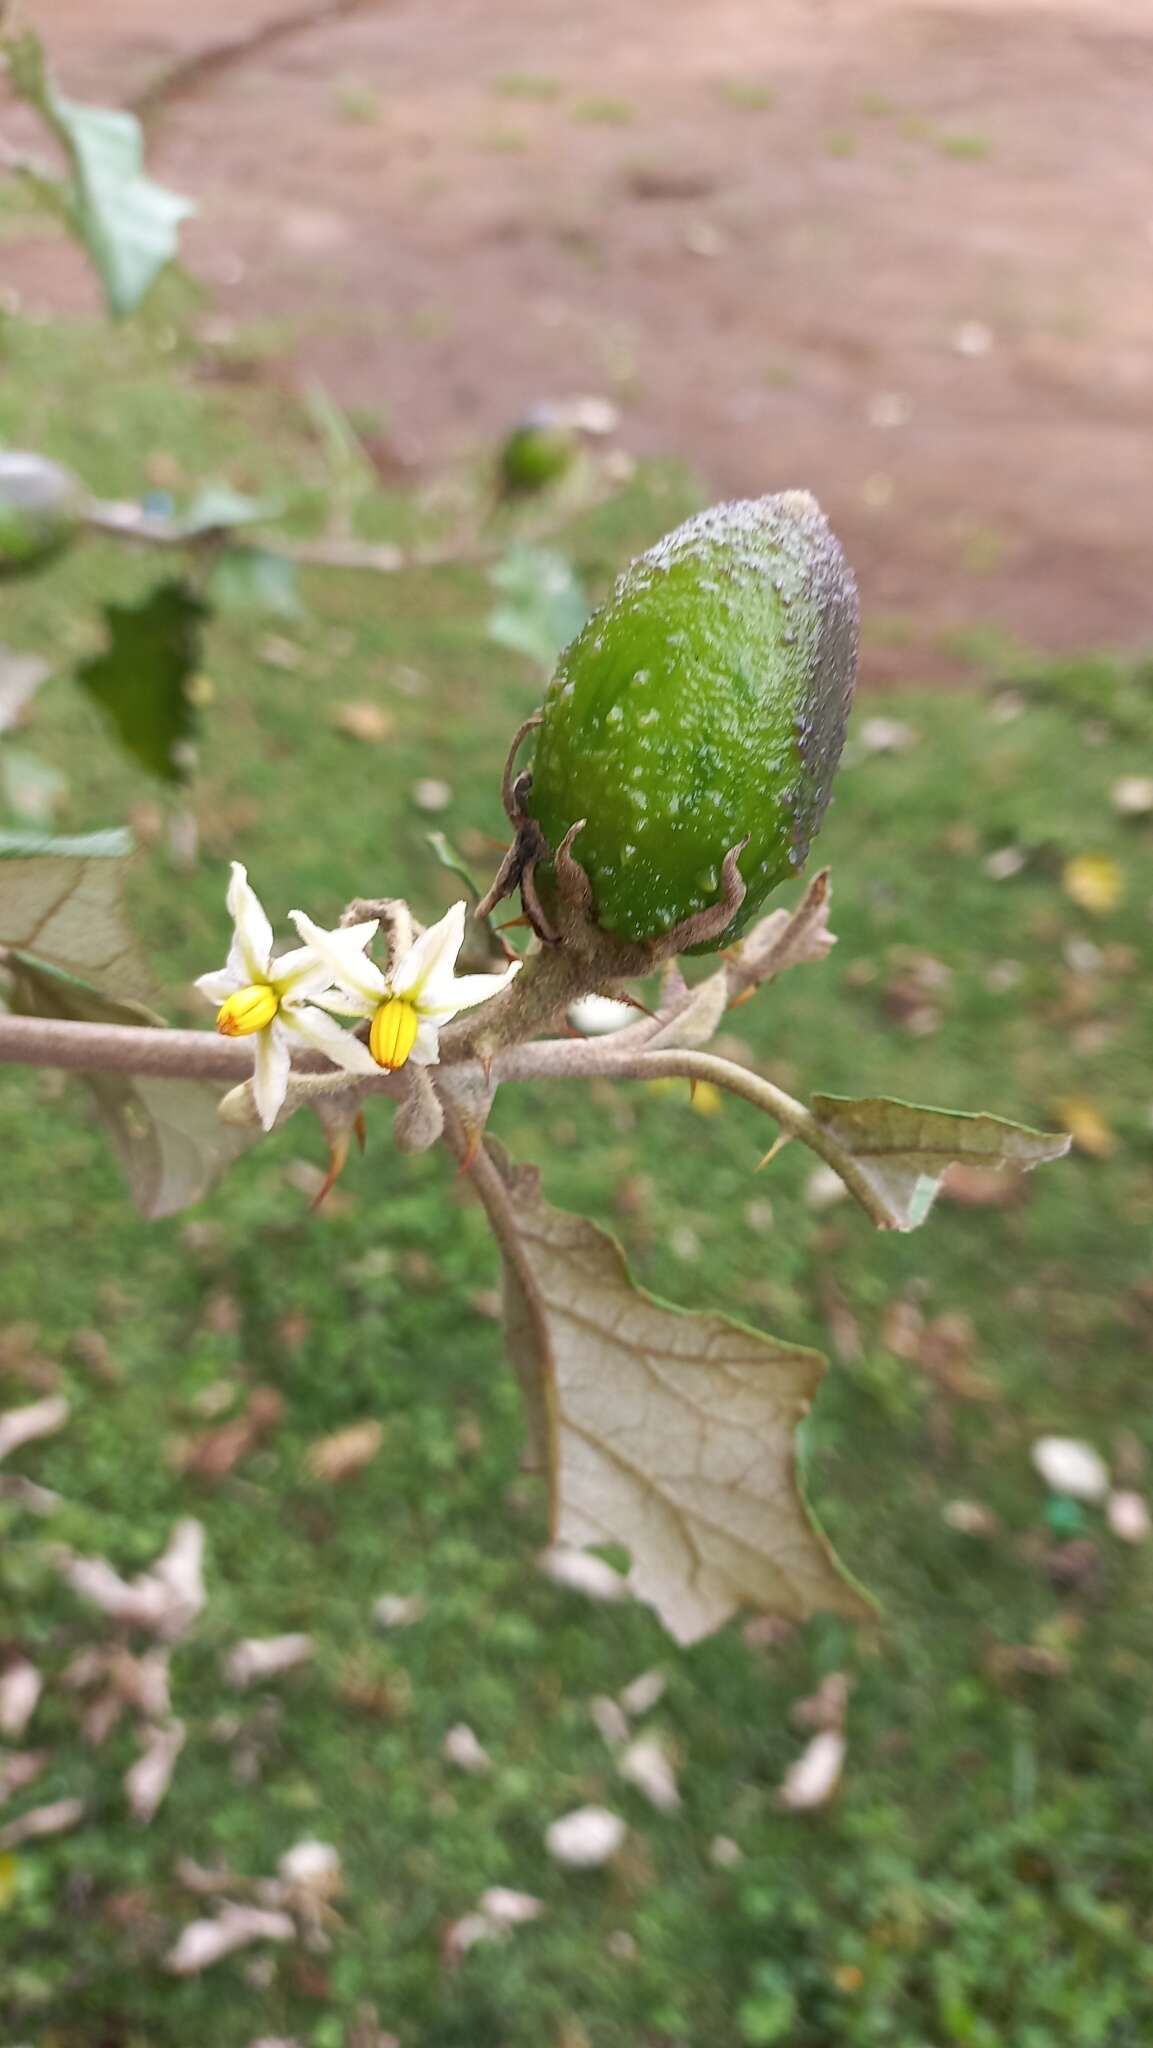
41,509
536,454
702,705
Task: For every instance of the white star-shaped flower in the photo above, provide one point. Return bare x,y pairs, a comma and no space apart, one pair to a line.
274,1001
419,993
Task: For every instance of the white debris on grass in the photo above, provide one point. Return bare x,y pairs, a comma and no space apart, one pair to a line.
256,1658
20,1688
1128,1516
581,1572
586,1838
462,1748
1071,1467
812,1780
19,1426
647,1765
204,1942
147,1781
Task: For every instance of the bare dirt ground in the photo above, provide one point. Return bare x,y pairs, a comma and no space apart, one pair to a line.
900,253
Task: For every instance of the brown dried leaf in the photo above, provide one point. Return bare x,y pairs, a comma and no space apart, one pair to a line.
204,1942
346,1452
903,1148
813,1779
785,939
56,1819
166,1599
146,1782
673,1434
257,1658
364,721
20,1426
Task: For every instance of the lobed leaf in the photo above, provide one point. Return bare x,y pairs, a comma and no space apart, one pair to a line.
671,1434
141,680
60,899
167,1135
902,1149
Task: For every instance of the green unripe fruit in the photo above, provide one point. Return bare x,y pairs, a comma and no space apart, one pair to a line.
536,454
703,704
41,510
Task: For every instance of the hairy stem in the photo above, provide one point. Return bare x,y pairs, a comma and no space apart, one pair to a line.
202,1056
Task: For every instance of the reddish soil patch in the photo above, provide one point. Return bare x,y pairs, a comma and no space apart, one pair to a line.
899,253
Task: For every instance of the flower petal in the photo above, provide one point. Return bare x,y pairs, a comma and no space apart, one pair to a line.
426,1045
253,931
428,965
217,988
343,954
300,973
270,1077
465,991
324,1034
339,1005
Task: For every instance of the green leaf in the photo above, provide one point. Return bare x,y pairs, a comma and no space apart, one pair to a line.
141,679
544,605
217,508
126,222
169,1139
671,1434
60,899
448,857
903,1149
256,580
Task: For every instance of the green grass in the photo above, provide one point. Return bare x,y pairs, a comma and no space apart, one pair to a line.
986,1876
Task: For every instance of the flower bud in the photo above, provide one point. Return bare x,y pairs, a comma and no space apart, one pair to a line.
41,509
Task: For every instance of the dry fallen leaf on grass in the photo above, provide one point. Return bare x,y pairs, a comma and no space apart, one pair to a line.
364,721
1087,1126
256,1658
643,1693
585,1838
146,1782
826,1708
461,1747
1132,796
497,1912
1128,1516
55,1819
313,1867
970,1518
610,1721
582,1572
646,1764
166,1599
1068,1466
983,1187
19,1426
813,1779
20,1769
205,1942
399,1610
1093,882
20,1688
510,1908
346,1452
